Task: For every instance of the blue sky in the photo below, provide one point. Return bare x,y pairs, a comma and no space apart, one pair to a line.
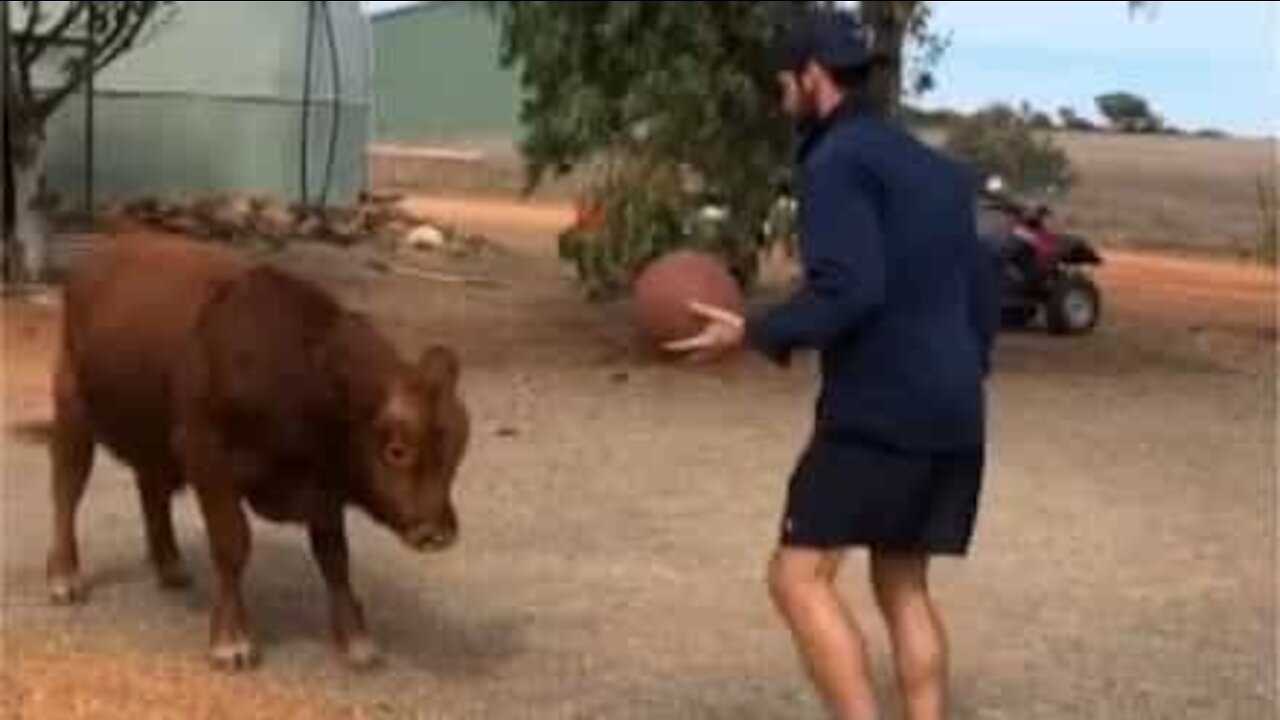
1200,63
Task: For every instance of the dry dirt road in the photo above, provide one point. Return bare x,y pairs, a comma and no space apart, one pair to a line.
617,513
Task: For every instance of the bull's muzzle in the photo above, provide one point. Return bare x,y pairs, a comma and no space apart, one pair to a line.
432,538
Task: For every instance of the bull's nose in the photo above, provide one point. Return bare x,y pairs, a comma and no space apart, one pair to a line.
431,538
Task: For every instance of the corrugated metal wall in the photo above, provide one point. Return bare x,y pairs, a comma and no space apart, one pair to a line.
212,102
437,78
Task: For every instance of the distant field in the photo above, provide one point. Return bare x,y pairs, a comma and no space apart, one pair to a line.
1159,192
1169,192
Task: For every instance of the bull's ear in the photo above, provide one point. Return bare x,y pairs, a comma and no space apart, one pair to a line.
440,367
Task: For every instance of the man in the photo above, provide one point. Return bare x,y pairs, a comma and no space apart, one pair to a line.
898,300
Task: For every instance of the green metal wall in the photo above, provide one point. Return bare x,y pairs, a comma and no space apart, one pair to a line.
212,102
437,78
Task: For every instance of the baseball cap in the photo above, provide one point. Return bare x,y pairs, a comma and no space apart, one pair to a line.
831,38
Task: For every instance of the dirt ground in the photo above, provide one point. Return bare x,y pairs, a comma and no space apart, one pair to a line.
617,512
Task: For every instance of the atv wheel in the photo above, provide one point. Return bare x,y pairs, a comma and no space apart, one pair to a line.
1074,306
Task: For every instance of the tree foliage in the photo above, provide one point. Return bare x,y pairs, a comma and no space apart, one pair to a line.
665,89
908,46
1001,141
680,89
1072,120
1128,112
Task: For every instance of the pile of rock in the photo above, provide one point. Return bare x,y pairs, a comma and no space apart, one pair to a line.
377,218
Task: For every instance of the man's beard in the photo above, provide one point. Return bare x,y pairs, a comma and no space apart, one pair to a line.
806,112
807,106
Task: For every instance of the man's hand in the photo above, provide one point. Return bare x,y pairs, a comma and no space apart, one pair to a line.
724,333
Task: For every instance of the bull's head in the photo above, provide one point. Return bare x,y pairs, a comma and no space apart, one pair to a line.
415,444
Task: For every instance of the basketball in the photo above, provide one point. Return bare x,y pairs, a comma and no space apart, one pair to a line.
661,293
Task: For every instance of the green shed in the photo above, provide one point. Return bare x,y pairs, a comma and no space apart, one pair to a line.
213,101
437,77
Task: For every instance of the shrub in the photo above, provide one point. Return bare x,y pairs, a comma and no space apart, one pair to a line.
1001,141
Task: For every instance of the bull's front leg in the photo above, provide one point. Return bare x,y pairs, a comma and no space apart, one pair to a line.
206,463
231,645
350,636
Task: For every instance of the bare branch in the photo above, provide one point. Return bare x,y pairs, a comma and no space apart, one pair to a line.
125,22
21,43
33,21
41,40
108,53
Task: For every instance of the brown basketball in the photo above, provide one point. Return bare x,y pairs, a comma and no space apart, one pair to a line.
661,293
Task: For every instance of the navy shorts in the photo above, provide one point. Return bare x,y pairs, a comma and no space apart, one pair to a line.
853,493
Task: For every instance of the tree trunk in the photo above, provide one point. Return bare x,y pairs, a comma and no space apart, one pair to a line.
891,20
30,229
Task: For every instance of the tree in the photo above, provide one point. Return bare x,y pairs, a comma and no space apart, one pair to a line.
1002,141
894,24
1041,120
1071,120
55,48
1127,112
678,89
664,88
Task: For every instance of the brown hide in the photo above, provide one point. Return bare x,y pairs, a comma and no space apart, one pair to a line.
195,366
312,402
129,309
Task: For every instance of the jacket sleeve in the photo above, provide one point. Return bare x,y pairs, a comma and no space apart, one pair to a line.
984,299
844,275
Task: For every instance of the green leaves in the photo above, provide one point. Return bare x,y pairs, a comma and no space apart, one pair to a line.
663,91
1002,141
678,97
1128,112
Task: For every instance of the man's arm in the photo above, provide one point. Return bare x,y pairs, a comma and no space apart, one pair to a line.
842,247
984,298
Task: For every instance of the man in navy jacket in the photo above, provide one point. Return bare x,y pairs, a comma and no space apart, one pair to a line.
900,301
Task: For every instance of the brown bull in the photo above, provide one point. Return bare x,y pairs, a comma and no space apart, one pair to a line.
254,388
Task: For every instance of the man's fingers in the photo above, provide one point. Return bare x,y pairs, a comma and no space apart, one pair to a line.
700,308
712,312
698,342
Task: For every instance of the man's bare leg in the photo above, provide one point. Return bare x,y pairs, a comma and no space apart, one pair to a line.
802,584
916,630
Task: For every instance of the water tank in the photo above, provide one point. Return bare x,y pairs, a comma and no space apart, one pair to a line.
215,99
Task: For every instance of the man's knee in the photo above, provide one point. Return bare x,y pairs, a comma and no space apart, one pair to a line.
794,575
899,580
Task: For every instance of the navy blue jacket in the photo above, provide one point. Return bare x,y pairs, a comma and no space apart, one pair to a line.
898,296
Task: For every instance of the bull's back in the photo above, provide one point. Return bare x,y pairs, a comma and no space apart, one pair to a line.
129,308
264,344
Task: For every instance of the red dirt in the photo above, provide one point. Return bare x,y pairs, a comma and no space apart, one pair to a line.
83,686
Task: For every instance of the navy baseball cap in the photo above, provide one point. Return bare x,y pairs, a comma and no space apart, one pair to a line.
831,38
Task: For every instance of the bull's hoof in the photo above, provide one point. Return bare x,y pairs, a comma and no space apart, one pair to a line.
234,656
362,654
68,590
173,576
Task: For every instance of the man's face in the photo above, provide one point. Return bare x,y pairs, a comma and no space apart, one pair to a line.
799,92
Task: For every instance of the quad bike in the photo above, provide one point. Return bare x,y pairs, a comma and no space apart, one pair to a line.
1045,273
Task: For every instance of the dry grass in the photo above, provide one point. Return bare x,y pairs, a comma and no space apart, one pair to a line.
481,168
1153,192
1269,217
1190,193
